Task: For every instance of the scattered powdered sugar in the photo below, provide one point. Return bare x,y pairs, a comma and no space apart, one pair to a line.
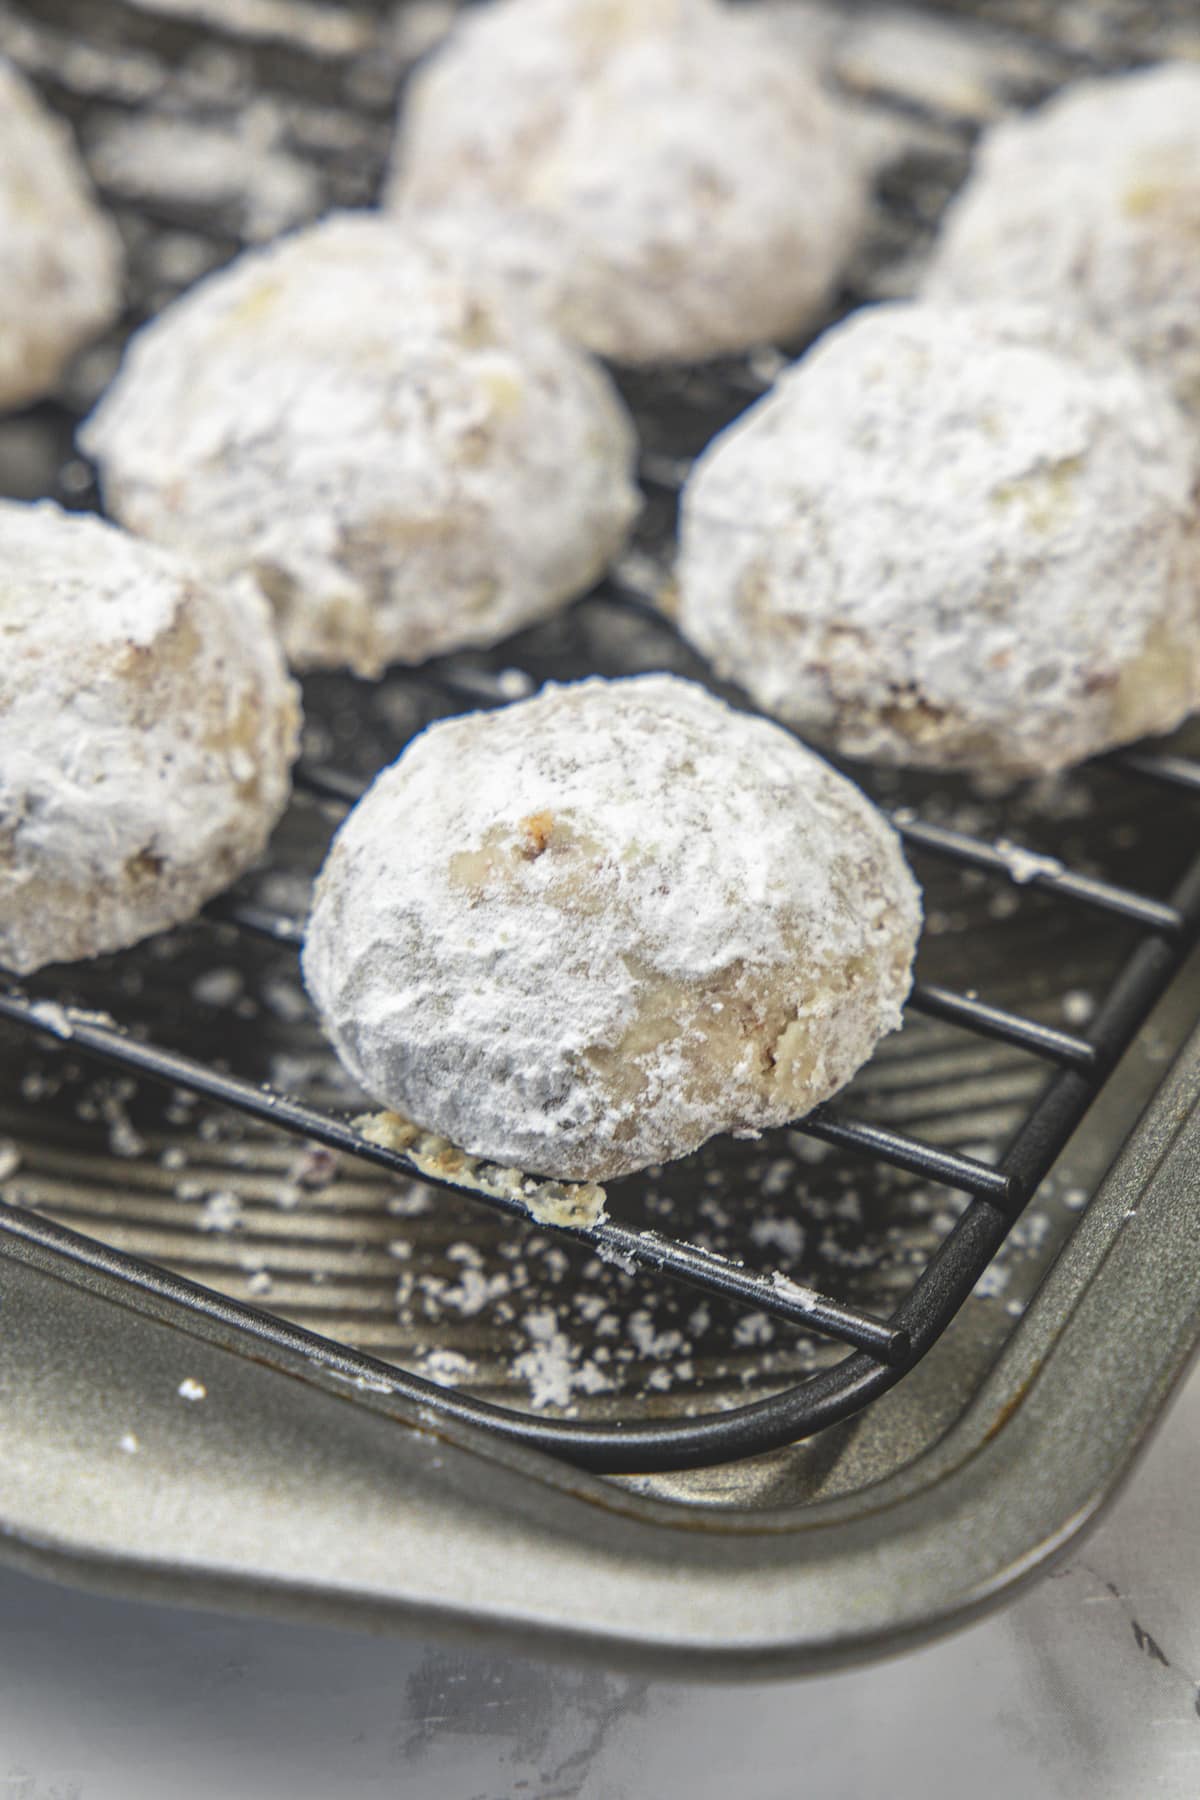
410,1202
1027,1240
648,1340
889,549
778,1233
191,1389
779,1178
589,1378
129,1444
617,1259
547,1365
1078,1007
1026,865
634,918
795,1290
447,1367
474,1292
366,1384
1030,1231
52,1017
993,1281
753,1328
808,1151
221,1211
217,987
123,1138
285,999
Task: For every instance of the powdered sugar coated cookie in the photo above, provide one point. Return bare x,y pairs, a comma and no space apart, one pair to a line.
1092,205
405,458
666,177
957,537
587,932
60,258
147,726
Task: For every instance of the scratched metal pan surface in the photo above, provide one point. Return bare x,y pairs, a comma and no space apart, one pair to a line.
152,1448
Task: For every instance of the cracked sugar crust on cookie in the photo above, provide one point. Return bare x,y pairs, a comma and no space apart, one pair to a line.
665,177
585,933
1093,203
961,537
60,258
147,727
401,453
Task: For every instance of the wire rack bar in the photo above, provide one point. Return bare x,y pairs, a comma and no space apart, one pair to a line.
260,921
1026,869
327,784
945,1166
1157,765
990,1021
667,473
776,1295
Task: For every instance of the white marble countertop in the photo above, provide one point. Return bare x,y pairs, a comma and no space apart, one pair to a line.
1088,1687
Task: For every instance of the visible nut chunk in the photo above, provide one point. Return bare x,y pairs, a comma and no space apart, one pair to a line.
535,831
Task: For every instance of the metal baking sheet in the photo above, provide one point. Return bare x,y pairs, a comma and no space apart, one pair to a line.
154,1443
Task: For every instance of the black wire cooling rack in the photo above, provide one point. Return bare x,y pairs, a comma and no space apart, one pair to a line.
883,1348
100,64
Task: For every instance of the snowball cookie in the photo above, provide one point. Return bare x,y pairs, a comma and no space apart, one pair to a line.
587,932
953,537
405,457
60,259
146,729
1093,201
665,175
